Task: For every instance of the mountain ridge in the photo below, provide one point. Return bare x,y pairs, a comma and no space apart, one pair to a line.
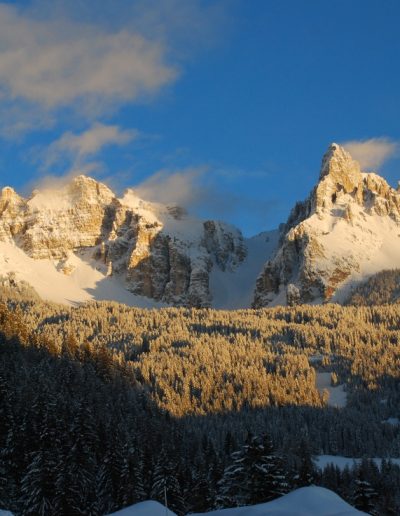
92,244
158,252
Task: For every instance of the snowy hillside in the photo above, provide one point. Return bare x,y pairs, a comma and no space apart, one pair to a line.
80,277
149,508
235,289
307,501
86,281
337,394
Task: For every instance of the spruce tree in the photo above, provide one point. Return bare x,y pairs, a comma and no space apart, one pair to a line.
165,482
255,475
305,470
230,487
364,496
37,487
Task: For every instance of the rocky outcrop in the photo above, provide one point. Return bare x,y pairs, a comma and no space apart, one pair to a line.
159,251
12,213
340,175
346,221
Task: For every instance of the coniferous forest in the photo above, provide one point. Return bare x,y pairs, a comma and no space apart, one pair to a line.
103,406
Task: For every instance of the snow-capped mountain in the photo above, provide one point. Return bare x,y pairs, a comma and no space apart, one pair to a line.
347,229
80,242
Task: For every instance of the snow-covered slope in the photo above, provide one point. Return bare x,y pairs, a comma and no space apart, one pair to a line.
234,289
337,394
307,501
86,281
149,508
348,229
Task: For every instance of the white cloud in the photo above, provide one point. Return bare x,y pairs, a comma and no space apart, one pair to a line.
202,191
78,149
372,153
55,62
72,57
74,154
183,26
183,187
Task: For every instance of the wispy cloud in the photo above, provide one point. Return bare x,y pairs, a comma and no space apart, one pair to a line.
59,54
77,148
55,62
372,153
183,187
201,191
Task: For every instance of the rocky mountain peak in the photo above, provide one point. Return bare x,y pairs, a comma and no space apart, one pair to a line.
338,162
348,227
12,211
340,175
89,190
155,251
9,199
340,181
8,193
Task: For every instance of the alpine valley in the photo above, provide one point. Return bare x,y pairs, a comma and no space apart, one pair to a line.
154,363
199,294
81,242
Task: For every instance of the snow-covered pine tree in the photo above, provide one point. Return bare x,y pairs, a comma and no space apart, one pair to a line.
80,492
271,481
364,496
229,443
139,491
306,470
15,457
201,494
7,429
230,487
165,481
103,503
255,475
37,487
388,491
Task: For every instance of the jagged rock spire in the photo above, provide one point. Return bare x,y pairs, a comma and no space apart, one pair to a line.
338,164
340,174
346,228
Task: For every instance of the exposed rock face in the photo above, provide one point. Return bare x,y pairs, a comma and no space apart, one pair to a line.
343,230
340,175
74,217
160,251
12,213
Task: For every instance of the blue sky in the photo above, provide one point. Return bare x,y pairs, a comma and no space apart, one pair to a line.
225,106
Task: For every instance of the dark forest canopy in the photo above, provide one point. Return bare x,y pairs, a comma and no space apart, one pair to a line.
103,403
